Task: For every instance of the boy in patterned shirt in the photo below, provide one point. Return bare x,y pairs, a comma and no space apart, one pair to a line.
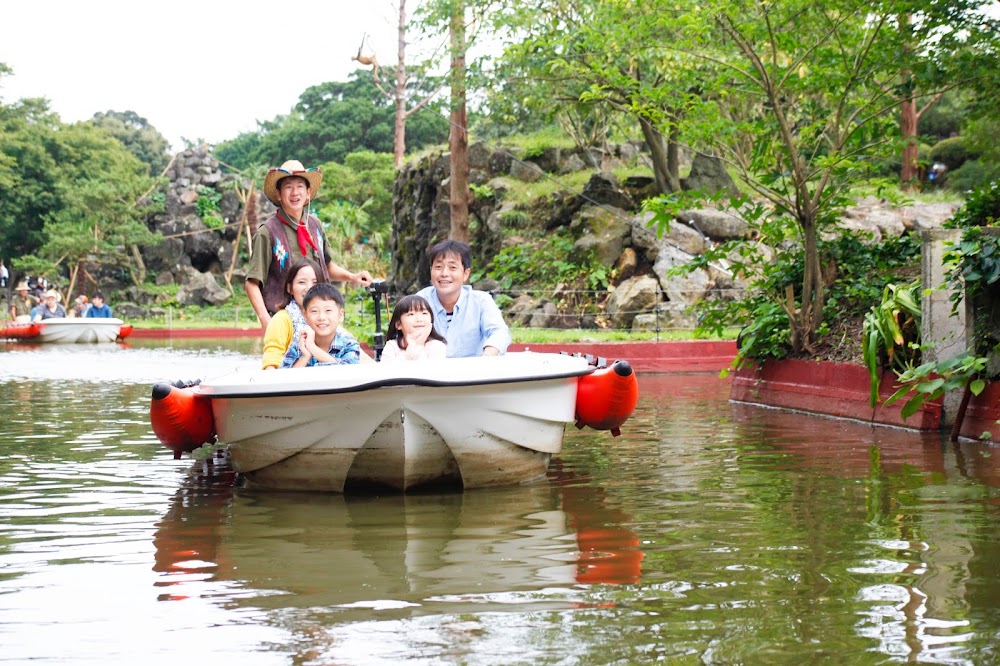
322,341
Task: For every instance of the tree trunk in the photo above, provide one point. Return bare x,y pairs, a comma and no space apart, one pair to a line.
660,153
140,266
813,287
399,142
909,172
250,216
674,160
73,274
457,140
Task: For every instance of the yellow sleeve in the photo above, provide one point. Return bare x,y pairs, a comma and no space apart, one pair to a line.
277,338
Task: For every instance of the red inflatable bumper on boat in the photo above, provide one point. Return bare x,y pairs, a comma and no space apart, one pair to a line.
607,397
181,418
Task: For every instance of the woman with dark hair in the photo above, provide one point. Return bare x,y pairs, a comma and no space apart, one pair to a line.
287,323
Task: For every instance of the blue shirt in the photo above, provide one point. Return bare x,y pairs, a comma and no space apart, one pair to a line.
344,349
103,312
476,322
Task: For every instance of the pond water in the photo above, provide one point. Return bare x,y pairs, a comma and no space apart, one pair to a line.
707,533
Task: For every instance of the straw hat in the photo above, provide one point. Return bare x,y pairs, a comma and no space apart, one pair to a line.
21,286
313,176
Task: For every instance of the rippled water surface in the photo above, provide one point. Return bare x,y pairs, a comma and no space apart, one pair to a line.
706,533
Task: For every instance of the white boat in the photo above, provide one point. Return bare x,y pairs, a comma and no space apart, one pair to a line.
470,422
69,330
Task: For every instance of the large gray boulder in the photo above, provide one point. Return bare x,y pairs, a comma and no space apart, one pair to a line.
602,230
525,171
709,174
630,298
680,235
665,317
719,225
683,289
199,288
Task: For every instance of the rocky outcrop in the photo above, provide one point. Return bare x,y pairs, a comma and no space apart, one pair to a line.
196,253
604,220
602,217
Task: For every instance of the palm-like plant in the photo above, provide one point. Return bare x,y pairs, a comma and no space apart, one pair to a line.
891,333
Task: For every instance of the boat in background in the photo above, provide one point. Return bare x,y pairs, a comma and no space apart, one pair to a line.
466,422
68,330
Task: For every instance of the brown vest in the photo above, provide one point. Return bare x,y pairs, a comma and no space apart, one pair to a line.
281,259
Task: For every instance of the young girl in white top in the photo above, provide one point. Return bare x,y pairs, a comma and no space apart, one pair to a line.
411,332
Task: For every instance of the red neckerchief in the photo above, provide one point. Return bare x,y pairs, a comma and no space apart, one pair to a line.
301,231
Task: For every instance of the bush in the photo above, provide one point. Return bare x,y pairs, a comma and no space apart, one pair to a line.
969,176
952,152
945,118
981,208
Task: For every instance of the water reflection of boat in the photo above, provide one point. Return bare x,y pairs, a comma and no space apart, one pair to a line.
321,550
68,330
469,422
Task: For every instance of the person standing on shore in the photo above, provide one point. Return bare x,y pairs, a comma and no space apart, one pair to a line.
287,236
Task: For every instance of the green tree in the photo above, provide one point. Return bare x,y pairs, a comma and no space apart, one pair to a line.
138,136
569,54
28,173
941,46
797,96
330,121
98,221
68,191
365,179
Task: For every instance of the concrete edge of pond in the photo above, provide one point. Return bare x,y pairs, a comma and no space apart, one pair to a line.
982,415
839,390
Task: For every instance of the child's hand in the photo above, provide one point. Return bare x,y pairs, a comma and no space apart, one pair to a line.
308,339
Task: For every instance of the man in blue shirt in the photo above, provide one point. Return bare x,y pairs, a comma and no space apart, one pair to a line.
469,319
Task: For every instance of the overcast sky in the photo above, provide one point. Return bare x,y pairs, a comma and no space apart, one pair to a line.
198,69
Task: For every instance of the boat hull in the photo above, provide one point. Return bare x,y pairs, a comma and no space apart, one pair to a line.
464,422
69,330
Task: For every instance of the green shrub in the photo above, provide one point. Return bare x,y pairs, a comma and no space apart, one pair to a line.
891,333
981,208
546,266
945,118
208,202
213,221
514,219
969,176
482,191
951,152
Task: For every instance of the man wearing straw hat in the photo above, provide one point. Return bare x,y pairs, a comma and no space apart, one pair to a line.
288,235
21,303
